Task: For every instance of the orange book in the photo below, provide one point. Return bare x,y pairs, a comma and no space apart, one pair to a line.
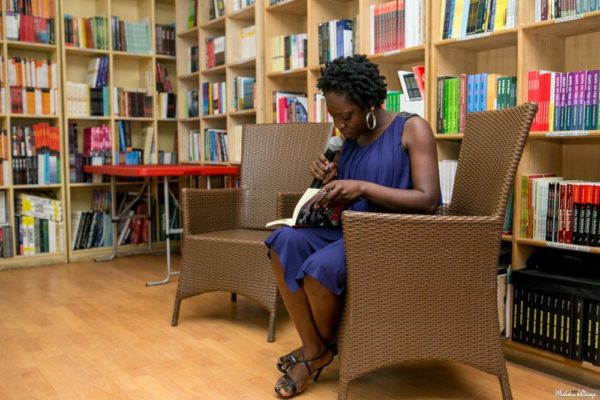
45,101
30,93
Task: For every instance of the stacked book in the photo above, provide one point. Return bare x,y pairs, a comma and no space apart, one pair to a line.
86,33
38,223
132,37
471,17
35,154
33,86
31,21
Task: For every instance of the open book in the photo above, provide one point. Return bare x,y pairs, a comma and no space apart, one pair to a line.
306,214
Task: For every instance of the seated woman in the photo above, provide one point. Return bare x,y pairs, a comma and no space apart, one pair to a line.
388,163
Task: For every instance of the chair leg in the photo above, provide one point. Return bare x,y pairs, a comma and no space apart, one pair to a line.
271,335
175,317
343,389
505,386
233,297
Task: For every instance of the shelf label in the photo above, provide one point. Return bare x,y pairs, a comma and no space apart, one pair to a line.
567,133
569,18
476,36
567,246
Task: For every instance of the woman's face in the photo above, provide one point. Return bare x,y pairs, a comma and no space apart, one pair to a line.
348,117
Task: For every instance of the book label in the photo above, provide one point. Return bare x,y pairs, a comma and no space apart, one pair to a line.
567,133
566,246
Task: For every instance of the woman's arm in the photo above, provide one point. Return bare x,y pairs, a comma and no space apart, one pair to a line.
418,139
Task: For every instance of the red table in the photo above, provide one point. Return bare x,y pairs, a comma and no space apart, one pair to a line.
148,172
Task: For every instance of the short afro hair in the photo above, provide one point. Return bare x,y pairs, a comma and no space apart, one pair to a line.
355,77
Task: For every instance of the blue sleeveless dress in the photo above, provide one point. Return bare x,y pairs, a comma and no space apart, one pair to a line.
319,252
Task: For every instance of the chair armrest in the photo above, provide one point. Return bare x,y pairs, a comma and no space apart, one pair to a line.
211,210
418,250
286,202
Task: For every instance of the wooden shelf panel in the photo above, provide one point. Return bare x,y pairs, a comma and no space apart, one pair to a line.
482,41
134,56
448,136
507,238
215,24
289,74
570,26
244,14
218,70
243,64
188,33
214,117
190,76
242,113
403,56
88,118
295,7
562,135
33,116
84,51
12,44
564,246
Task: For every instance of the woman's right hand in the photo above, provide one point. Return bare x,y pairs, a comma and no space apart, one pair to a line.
323,169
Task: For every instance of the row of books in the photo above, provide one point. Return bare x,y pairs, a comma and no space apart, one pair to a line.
209,145
6,245
461,18
290,107
84,101
3,208
566,100
96,150
38,224
163,83
29,28
91,229
166,105
37,8
244,93
247,48
165,39
240,4
2,100
135,103
335,40
133,229
97,73
216,9
557,210
29,100
320,109
553,312
396,25
5,148
35,154
194,59
131,37
86,33
192,19
552,9
31,72
192,103
214,98
457,96
447,169
215,52
289,52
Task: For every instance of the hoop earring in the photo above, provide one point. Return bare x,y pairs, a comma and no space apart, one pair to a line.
373,120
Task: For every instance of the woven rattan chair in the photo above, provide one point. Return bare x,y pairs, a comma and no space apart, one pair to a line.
224,229
424,287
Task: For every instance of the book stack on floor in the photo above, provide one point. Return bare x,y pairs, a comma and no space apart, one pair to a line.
6,238
38,223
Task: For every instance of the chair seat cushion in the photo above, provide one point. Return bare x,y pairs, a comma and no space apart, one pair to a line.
251,235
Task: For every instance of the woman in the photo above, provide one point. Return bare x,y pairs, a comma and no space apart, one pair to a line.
389,164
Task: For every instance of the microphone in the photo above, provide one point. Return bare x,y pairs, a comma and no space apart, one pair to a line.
333,146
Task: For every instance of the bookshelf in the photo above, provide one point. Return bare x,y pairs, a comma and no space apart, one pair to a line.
216,62
32,154
132,73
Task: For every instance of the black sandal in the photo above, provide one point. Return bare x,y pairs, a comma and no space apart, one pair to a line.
287,385
287,362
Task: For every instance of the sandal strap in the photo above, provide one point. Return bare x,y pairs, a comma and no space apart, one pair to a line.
289,383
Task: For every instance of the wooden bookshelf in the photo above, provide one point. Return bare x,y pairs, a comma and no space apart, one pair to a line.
130,70
17,48
230,25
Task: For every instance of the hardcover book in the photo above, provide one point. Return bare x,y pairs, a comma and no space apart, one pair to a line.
308,213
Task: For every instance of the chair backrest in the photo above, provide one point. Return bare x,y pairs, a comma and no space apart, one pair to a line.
276,158
489,156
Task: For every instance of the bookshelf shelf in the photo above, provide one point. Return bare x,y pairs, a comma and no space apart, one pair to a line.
564,246
89,185
214,117
507,238
403,56
242,113
295,7
12,44
81,50
138,119
88,118
243,64
218,70
481,42
38,186
189,120
244,14
564,135
34,116
288,74
189,33
570,26
448,136
164,58
189,77
215,24
134,56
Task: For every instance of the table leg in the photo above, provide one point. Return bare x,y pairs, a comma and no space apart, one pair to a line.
114,218
149,203
167,236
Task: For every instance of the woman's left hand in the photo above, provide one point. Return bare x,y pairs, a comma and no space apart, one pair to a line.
341,191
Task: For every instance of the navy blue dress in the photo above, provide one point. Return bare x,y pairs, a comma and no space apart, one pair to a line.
319,252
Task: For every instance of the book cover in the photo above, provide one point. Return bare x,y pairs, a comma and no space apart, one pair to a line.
307,213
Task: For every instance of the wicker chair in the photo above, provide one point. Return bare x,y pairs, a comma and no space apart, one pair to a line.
224,229
423,287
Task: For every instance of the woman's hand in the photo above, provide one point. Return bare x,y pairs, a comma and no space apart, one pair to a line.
341,192
323,169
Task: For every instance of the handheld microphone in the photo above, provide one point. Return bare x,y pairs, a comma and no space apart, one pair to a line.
333,146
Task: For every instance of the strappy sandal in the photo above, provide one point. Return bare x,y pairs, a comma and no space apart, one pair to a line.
287,362
286,387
